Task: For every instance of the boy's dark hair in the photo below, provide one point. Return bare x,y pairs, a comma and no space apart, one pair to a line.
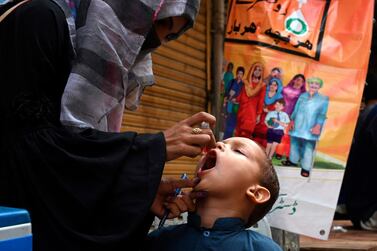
241,68
276,69
230,66
281,101
269,180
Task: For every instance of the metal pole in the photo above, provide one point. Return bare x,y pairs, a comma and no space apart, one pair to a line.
218,48
287,241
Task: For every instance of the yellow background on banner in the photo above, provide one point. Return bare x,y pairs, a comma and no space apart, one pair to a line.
342,63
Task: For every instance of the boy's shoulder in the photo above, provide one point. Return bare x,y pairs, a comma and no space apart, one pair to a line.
167,231
304,95
324,98
260,242
271,112
163,238
285,114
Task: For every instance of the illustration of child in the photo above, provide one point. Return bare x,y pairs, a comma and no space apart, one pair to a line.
276,122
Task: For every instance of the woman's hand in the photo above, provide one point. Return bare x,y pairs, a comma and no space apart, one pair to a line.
165,198
181,140
291,125
250,91
316,130
258,119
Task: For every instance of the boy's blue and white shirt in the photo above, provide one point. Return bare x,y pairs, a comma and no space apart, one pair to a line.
281,116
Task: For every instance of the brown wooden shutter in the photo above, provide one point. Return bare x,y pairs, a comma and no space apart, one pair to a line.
181,71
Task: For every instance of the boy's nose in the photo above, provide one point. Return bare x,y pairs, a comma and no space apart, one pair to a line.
220,145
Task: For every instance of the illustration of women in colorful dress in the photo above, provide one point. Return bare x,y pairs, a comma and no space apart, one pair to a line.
290,93
251,101
308,118
273,93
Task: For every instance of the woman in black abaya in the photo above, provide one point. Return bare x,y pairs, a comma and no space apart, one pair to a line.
85,189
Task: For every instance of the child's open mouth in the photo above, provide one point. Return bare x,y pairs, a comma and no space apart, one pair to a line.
209,162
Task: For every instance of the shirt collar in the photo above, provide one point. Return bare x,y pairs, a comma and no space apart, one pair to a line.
314,95
230,224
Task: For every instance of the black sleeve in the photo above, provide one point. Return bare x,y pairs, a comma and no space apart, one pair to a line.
91,191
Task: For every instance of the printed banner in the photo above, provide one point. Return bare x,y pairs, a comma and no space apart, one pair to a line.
294,80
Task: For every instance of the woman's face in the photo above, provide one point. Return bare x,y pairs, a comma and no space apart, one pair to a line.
298,82
257,72
274,86
170,28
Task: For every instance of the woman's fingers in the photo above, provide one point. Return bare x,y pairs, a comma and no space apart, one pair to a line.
186,139
189,202
197,139
180,204
185,201
186,150
169,185
173,210
199,117
212,142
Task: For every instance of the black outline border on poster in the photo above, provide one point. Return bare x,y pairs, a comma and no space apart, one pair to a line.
319,43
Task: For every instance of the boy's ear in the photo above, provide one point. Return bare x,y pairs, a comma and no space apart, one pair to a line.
258,194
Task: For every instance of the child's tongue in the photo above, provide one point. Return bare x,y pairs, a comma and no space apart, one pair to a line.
210,161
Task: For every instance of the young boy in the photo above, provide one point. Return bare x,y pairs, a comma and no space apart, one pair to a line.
242,187
276,122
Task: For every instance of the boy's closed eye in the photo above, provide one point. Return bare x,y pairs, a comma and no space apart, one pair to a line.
238,151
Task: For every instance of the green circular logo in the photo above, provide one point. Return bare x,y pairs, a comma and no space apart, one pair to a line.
297,26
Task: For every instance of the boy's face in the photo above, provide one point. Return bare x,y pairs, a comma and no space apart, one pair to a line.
278,106
231,167
239,75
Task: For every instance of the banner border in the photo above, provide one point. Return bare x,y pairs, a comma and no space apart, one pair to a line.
274,47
